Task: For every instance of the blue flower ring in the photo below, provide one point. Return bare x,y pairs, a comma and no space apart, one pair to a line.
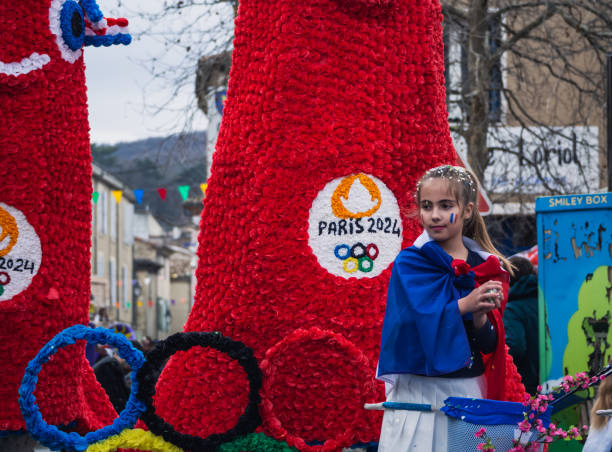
358,250
366,264
147,377
339,248
50,435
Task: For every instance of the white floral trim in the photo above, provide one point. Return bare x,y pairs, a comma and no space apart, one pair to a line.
32,63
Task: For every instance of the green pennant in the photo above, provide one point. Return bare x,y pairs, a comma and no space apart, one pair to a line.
184,191
95,195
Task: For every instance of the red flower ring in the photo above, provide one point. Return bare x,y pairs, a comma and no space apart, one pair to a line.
306,378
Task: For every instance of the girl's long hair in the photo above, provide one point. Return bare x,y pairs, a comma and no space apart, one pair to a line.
602,402
464,186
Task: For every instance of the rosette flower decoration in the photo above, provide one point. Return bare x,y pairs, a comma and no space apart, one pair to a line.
334,109
45,203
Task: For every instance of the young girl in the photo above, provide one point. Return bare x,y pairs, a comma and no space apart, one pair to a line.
443,314
600,431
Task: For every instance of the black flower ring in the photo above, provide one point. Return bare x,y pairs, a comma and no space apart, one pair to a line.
248,421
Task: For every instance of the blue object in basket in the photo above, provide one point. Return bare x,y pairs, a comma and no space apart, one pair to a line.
489,412
499,419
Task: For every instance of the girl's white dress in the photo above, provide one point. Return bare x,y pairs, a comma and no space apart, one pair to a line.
403,430
599,440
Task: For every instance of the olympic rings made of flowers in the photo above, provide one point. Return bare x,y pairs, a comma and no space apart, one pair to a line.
350,265
247,422
256,442
358,250
342,256
366,264
275,359
372,251
50,435
134,439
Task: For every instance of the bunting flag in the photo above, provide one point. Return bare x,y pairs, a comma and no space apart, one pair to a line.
117,194
138,194
184,191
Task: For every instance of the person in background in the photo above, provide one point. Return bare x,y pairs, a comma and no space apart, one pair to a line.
521,322
110,374
101,318
600,431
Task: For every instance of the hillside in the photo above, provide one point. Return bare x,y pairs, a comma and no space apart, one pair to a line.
158,162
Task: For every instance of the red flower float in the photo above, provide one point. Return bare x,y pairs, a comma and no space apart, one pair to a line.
45,203
335,108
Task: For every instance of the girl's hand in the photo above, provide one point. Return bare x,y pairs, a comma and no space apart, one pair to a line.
482,299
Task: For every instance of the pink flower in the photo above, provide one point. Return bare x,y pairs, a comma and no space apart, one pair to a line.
525,426
480,433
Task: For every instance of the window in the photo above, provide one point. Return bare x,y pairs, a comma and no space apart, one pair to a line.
128,223
113,216
100,266
456,71
112,269
102,212
124,285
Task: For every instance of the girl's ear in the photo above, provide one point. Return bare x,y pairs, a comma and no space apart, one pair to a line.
468,211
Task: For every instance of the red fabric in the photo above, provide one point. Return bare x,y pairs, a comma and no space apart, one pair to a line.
503,379
46,175
318,90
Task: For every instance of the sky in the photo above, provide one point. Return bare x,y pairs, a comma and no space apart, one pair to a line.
122,92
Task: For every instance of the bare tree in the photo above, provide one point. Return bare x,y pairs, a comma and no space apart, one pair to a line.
531,71
528,74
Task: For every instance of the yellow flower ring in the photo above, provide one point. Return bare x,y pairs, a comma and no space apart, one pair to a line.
134,439
350,265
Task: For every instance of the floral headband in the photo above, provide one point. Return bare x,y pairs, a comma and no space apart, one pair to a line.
451,173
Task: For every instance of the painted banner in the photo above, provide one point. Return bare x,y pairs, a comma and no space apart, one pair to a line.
575,277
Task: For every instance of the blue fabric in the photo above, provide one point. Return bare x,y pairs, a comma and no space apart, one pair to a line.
489,412
50,435
423,331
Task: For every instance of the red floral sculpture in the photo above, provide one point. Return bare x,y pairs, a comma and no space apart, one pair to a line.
335,108
45,203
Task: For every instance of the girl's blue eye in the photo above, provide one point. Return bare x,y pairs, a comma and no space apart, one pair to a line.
72,24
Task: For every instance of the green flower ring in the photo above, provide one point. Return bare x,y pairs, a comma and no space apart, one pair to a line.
256,442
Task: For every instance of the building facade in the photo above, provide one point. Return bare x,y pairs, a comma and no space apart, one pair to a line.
112,246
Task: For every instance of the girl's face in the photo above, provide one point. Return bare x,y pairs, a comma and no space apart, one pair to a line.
441,214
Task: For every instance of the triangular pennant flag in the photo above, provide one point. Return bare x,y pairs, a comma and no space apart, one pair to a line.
203,188
184,191
95,195
117,194
162,193
138,193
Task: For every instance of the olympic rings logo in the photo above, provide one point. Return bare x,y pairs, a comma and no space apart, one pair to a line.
145,371
357,257
5,279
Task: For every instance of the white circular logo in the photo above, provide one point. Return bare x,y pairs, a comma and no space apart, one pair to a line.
20,252
355,228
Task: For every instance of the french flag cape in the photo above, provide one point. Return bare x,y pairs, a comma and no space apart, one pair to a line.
423,331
